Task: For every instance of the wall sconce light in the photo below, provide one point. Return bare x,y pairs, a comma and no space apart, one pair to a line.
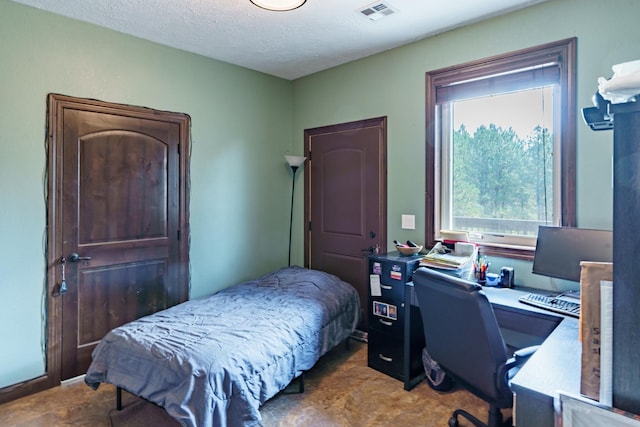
294,163
279,5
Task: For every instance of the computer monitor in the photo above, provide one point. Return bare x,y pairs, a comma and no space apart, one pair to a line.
559,250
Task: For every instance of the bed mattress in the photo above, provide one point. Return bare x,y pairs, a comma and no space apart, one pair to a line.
213,361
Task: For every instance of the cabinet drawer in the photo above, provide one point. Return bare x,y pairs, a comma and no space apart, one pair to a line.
385,354
387,316
393,271
392,289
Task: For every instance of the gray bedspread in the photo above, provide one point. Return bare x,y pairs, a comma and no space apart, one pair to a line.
213,361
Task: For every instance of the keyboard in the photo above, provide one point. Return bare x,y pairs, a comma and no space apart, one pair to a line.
556,304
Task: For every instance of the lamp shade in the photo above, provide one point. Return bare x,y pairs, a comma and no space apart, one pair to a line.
295,161
279,5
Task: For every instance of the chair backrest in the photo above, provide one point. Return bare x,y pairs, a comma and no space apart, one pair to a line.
461,332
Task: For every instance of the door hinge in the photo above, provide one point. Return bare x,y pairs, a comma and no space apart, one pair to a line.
178,234
309,226
309,155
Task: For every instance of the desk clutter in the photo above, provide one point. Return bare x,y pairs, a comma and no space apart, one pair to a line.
464,260
460,258
408,249
453,256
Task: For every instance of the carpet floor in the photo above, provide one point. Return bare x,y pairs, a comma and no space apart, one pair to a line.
340,391
141,414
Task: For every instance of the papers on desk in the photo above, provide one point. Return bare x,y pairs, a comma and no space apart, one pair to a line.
441,257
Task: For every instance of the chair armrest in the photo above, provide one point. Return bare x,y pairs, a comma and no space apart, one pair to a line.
525,353
512,366
520,357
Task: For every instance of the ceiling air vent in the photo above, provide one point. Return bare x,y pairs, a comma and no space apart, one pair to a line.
377,10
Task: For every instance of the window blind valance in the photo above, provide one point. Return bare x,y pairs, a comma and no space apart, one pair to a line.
546,75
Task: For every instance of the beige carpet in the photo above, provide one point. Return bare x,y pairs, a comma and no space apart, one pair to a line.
140,413
340,391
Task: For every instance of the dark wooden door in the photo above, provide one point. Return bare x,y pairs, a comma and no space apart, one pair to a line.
121,205
345,200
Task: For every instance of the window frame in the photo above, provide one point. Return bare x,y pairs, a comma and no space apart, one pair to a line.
564,52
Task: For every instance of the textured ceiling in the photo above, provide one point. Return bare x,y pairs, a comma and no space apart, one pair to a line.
319,35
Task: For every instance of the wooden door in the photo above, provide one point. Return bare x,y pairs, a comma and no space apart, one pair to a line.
118,201
345,200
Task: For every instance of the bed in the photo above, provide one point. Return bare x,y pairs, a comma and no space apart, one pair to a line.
215,360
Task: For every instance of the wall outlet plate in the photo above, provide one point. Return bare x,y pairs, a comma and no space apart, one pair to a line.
408,222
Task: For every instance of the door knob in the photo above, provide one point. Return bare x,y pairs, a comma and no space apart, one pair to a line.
74,257
372,249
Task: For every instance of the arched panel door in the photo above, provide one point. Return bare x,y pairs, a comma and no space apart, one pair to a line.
345,200
119,196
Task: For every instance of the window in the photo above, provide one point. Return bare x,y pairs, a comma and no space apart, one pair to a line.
501,147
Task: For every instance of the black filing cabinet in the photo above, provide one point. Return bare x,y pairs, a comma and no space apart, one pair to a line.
396,336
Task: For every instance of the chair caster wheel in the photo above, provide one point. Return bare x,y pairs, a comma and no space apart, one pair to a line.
453,422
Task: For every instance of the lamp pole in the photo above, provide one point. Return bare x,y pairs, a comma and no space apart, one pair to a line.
294,169
294,163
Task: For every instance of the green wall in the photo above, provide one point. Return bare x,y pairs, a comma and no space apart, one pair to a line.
242,124
392,84
240,184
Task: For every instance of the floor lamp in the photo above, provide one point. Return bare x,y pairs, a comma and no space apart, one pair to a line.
294,163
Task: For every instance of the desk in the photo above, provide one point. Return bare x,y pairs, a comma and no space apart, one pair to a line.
554,367
556,364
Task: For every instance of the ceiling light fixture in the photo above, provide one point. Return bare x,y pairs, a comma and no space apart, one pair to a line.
279,5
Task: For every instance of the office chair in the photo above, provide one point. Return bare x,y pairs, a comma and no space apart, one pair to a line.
462,335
